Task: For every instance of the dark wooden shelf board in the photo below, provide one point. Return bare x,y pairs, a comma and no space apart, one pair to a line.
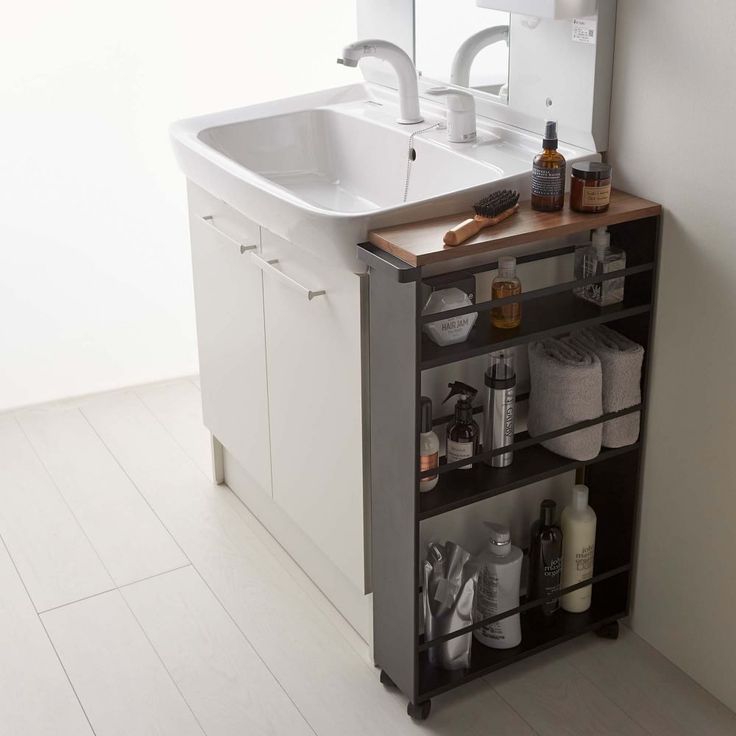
463,487
547,316
420,243
538,633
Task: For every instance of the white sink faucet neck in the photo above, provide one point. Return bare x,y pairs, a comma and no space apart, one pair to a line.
403,66
470,48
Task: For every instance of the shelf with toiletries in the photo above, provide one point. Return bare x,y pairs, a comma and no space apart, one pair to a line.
579,347
609,604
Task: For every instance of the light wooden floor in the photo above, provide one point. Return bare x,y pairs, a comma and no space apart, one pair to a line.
138,598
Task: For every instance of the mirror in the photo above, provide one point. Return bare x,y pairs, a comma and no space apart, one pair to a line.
459,43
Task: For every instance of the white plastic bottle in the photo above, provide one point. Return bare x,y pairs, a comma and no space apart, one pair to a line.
499,576
578,550
429,447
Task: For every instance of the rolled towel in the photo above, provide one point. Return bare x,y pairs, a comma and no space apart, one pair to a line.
566,388
621,361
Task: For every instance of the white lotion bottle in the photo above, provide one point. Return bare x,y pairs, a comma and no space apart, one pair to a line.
429,447
578,523
499,577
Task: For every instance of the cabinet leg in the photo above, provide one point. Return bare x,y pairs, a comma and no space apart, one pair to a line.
218,460
419,711
608,631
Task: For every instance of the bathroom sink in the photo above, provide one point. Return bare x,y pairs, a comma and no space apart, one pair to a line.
322,169
343,163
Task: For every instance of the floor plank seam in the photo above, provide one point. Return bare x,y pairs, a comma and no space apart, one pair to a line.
531,727
161,660
66,502
135,485
255,650
45,631
194,567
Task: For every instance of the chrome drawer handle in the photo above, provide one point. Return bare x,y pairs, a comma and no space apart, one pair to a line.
210,220
269,266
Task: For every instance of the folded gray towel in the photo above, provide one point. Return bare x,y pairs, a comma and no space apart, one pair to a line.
621,362
566,388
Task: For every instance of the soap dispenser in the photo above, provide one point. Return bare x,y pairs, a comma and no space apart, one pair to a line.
463,430
596,259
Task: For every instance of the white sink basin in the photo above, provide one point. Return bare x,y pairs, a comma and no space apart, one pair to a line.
322,169
337,161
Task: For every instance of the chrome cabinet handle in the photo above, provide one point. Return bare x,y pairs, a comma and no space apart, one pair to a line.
210,220
269,265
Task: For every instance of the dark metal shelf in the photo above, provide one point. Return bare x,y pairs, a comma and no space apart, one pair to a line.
547,316
538,632
532,464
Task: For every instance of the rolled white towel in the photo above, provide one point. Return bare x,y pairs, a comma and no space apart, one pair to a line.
566,388
621,362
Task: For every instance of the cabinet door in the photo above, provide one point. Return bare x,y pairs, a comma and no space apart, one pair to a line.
228,291
313,351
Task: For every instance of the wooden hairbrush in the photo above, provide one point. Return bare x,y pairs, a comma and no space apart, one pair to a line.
489,211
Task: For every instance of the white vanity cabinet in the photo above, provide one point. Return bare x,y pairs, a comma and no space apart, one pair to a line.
314,378
281,380
228,292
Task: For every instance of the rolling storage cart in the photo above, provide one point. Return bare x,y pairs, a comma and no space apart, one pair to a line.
398,260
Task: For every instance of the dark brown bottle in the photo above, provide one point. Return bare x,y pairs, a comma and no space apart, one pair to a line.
545,557
548,173
463,430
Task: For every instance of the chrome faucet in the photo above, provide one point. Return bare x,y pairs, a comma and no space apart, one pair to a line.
403,66
470,48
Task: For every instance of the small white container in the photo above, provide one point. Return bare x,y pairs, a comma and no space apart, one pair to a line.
578,523
454,329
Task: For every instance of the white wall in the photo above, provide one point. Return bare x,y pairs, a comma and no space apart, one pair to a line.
672,135
95,283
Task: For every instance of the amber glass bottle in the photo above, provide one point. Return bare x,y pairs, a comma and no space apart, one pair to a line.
506,316
548,174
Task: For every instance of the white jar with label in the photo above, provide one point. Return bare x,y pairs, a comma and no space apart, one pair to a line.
453,329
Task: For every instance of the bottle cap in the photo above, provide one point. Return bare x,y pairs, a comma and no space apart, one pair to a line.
500,372
507,266
547,512
591,170
499,538
601,239
580,497
425,423
550,135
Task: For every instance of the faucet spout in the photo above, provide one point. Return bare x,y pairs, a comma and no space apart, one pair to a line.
470,48
403,66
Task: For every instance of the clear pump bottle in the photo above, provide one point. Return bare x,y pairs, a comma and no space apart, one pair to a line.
596,259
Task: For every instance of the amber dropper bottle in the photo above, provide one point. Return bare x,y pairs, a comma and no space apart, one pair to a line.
506,283
548,173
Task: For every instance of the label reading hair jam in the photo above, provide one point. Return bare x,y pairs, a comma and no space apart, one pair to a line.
548,182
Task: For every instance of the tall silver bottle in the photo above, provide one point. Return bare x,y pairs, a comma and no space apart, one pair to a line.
500,408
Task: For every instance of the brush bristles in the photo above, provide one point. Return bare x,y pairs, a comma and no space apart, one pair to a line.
496,203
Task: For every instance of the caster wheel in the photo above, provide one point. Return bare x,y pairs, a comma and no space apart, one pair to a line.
419,712
608,631
387,681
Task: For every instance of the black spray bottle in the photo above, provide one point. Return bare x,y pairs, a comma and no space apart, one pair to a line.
545,557
462,431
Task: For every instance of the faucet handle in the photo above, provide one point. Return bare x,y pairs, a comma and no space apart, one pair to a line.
460,113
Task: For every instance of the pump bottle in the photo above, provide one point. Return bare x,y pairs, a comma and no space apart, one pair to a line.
596,259
462,431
